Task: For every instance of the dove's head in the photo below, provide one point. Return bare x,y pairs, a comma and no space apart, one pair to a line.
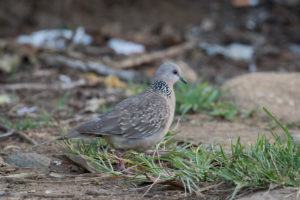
169,73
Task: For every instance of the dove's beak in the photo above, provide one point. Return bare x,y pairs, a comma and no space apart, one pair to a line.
182,79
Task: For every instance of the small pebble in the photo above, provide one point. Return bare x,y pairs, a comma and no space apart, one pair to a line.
57,162
48,191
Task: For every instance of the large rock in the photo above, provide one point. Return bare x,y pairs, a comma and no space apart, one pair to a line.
278,92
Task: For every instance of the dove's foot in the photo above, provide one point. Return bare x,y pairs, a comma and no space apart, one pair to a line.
121,162
122,167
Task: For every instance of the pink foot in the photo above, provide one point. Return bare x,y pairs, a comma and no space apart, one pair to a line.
121,162
122,167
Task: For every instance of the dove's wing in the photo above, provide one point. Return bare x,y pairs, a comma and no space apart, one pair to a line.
140,116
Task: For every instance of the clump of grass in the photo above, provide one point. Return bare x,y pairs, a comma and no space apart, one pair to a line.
23,124
61,104
137,88
292,125
203,98
45,119
262,165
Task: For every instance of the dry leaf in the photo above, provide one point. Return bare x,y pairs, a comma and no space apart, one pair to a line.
78,160
2,162
94,79
158,181
57,175
94,104
21,175
4,99
113,82
8,62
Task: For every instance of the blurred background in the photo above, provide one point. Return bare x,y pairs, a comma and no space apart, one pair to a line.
89,55
229,37
72,57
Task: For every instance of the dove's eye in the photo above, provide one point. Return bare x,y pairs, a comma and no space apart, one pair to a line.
175,72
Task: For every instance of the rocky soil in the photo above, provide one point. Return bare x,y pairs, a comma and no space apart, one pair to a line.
251,51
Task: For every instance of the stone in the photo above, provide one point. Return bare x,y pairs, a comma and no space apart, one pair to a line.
32,160
278,92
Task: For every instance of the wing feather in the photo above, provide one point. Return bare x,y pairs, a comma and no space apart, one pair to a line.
137,117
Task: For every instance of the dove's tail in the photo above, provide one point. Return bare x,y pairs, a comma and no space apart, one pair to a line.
73,133
79,131
45,143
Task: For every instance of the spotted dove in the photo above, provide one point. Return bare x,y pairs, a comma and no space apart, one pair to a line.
139,122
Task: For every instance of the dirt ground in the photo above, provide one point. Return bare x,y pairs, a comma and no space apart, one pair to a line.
67,181
270,27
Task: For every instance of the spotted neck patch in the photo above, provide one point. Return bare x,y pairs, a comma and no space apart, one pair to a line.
162,87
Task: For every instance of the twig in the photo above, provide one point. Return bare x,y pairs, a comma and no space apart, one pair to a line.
10,132
39,86
20,176
92,50
158,55
154,182
26,138
51,196
86,66
210,187
50,182
168,182
7,133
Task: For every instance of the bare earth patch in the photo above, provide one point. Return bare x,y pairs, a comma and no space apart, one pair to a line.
66,181
199,129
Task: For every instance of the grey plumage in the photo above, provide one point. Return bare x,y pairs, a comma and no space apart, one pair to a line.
140,116
138,122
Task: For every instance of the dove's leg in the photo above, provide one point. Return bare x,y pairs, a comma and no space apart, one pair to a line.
121,162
